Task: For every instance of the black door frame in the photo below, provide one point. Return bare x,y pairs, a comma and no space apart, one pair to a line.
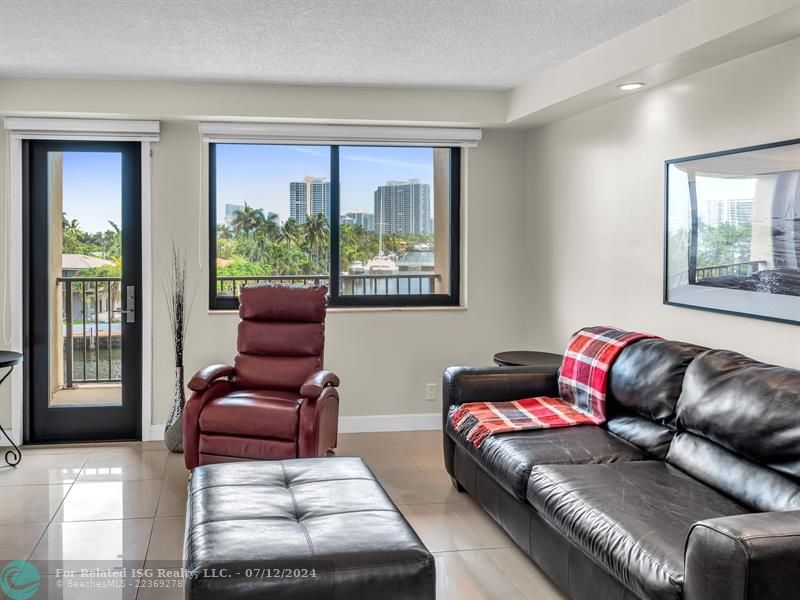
77,423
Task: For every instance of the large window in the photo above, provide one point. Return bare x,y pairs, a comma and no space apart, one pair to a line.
378,225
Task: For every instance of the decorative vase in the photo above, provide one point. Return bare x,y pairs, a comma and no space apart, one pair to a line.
173,433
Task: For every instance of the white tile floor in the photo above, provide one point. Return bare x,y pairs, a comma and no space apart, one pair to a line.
126,502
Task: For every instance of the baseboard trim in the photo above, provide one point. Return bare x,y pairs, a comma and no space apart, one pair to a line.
4,443
407,422
358,424
155,433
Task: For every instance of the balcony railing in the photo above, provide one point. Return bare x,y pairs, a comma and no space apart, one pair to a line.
740,269
91,329
351,285
230,285
92,332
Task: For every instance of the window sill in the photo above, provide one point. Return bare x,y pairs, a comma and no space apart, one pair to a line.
368,309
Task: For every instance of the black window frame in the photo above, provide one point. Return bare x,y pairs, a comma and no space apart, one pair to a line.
335,299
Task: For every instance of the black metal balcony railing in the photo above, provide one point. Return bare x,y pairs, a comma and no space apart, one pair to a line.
230,285
740,269
388,285
92,332
351,285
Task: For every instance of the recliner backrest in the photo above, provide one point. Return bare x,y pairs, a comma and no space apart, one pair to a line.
739,429
644,385
281,338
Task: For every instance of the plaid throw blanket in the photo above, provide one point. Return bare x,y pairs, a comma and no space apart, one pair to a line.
582,384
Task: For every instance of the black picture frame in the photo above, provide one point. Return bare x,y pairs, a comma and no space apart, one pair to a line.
692,249
335,299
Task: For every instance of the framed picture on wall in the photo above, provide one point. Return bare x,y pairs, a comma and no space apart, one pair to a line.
732,239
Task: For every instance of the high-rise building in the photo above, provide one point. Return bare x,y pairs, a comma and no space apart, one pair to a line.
403,207
230,212
731,211
309,197
365,220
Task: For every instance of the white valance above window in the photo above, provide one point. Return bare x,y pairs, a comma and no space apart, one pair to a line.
83,129
339,135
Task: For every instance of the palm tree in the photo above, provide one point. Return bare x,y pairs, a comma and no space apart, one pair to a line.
74,238
271,226
291,234
223,232
112,241
247,220
316,236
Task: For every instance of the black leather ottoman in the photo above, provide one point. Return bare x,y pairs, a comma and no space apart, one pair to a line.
306,528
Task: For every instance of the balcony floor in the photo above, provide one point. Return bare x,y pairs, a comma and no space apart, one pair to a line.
93,394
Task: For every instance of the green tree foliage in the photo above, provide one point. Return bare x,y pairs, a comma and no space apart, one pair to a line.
248,220
255,245
724,244
102,244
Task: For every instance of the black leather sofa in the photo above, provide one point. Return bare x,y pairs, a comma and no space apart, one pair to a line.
691,490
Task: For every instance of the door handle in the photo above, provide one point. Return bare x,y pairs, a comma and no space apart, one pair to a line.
130,301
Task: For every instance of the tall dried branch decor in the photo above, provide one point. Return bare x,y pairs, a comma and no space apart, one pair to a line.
178,310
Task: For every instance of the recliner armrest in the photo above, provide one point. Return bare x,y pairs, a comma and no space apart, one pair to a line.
752,556
317,382
204,377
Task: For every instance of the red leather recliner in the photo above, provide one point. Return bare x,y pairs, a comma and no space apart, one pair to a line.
276,402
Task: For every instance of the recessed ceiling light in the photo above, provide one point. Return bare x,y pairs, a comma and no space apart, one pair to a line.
634,85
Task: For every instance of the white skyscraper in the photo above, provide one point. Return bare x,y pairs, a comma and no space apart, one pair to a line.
365,220
230,212
309,197
403,207
731,211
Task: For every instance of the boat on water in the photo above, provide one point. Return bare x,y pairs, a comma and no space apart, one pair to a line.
422,247
382,265
356,268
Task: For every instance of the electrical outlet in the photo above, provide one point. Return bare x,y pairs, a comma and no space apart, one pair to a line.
430,391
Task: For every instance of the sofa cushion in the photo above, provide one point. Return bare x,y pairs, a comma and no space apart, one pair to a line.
739,429
256,413
633,518
509,457
644,385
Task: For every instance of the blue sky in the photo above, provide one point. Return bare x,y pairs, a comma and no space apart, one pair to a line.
708,189
93,189
256,174
260,175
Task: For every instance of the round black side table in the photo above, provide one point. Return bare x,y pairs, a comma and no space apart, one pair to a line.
7,361
527,358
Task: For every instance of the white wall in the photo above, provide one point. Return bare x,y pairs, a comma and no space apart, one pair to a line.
583,246
383,358
595,203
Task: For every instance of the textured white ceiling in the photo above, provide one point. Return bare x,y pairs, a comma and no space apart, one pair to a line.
479,44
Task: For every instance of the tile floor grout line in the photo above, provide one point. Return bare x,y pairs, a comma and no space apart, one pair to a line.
158,502
58,508
411,480
508,574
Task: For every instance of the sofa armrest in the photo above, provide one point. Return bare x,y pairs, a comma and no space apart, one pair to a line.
317,382
204,377
752,556
496,384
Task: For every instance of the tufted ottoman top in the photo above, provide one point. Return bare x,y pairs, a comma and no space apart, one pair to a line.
305,528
